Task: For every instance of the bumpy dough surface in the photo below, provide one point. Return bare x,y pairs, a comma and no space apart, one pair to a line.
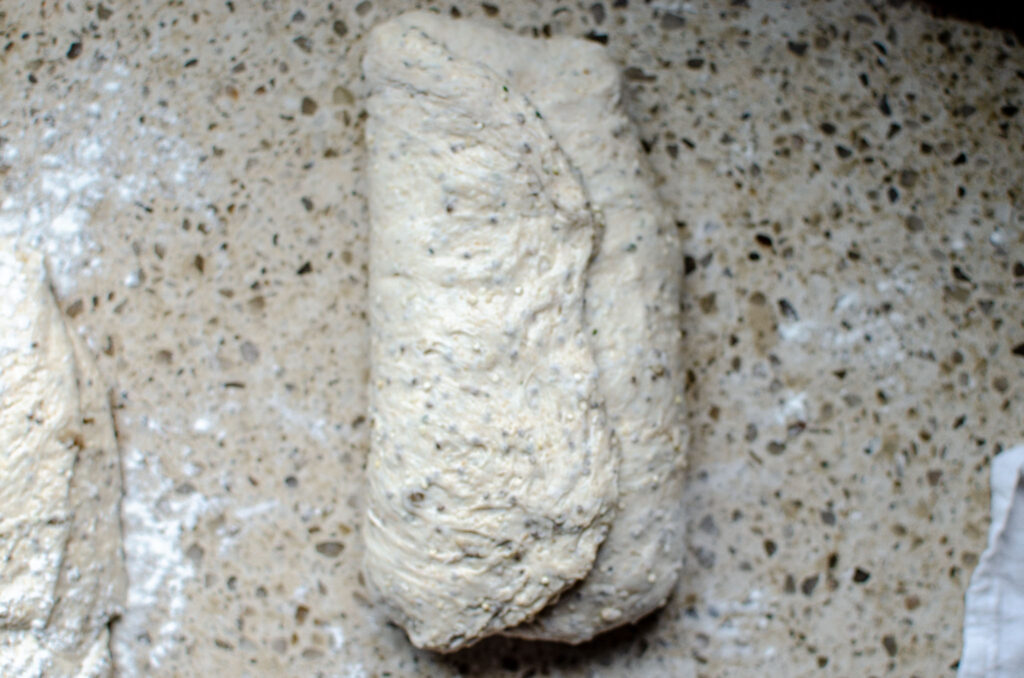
632,312
61,565
491,478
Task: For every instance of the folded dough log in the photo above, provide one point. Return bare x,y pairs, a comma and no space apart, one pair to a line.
491,478
632,312
61,564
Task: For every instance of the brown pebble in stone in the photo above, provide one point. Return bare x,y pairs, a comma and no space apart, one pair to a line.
331,549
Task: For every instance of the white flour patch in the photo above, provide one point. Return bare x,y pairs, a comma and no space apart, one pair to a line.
91,160
156,517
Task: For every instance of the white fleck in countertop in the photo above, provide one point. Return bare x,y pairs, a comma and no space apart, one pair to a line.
847,177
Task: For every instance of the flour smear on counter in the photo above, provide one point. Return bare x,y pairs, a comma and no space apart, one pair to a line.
56,186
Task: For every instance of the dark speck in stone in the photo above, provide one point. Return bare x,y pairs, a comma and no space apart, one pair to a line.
843,151
959,274
620,3
769,547
763,239
860,576
707,525
889,643
908,178
670,21
965,111
597,11
490,10
1018,269
191,62
694,63
689,265
340,28
828,128
914,223
1009,110
790,585
1018,350
797,48
828,517
893,194
307,203
599,38
787,310
308,106
960,159
883,105
705,557
75,50
635,73
305,268
808,585
894,129
926,148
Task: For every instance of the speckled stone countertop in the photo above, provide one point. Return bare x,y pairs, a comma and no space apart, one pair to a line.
848,178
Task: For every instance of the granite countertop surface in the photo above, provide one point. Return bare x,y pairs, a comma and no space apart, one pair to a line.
847,177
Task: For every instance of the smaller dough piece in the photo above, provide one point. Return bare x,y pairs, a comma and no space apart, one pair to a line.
61,563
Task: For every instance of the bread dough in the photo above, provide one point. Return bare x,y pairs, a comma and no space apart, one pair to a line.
491,477
61,572
632,311
631,296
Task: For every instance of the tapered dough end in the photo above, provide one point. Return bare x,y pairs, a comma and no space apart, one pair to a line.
62,576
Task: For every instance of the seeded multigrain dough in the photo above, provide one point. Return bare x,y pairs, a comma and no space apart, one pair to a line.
632,312
61,565
491,475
